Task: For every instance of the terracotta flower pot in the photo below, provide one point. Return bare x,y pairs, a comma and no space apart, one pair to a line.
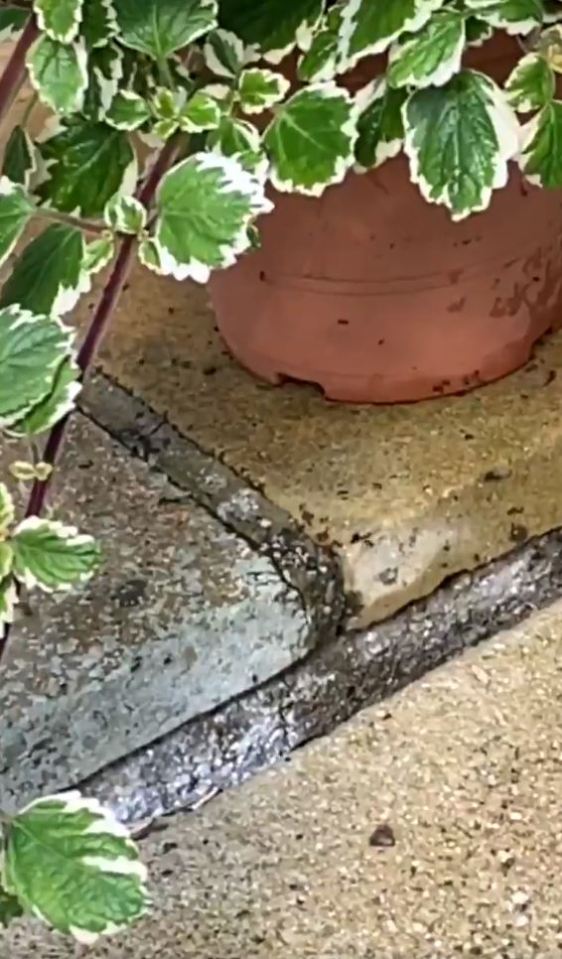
377,296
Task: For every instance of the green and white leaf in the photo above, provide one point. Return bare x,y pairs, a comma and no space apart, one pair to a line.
7,515
61,400
128,111
31,351
477,31
225,54
311,140
99,254
531,85
261,89
320,62
98,885
8,602
202,112
240,139
149,256
86,164
164,129
48,277
513,16
52,556
380,126
431,56
161,27
59,73
105,71
99,23
10,907
126,214
541,157
168,104
12,22
459,138
205,207
370,26
60,19
19,157
272,27
16,210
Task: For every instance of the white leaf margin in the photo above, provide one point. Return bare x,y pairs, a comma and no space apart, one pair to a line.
121,211
283,85
412,24
113,24
212,61
517,75
82,63
446,69
27,318
486,9
63,532
109,86
236,179
106,823
9,188
7,508
52,127
508,132
386,149
343,163
8,602
66,404
72,32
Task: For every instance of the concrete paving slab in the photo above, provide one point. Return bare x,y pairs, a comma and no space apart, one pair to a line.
425,829
183,616
406,495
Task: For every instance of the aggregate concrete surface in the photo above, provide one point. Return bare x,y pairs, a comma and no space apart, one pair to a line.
183,616
427,828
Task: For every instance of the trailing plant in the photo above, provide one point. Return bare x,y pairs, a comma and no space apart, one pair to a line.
164,124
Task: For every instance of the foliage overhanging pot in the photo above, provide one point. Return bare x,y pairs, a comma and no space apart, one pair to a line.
377,295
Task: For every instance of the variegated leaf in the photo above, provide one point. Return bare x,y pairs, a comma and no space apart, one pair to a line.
52,556
205,207
98,884
59,73
311,139
459,138
60,19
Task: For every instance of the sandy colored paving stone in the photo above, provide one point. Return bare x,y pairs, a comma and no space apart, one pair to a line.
428,828
407,494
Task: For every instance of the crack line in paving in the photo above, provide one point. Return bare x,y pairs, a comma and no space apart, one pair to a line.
343,674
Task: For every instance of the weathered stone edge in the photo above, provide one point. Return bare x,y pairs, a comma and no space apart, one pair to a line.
309,569
224,748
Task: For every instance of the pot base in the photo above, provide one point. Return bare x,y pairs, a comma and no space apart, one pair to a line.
378,297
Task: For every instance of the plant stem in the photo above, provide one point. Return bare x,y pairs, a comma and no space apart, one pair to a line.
89,226
165,73
96,332
100,321
14,73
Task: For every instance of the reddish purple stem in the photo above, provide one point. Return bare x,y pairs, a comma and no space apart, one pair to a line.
100,322
14,74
